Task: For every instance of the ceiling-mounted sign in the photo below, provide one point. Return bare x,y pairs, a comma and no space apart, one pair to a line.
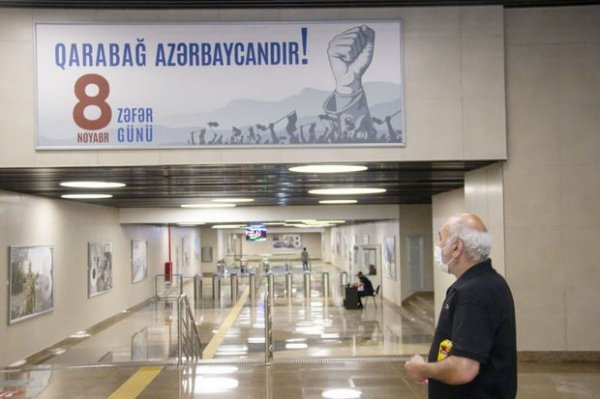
219,85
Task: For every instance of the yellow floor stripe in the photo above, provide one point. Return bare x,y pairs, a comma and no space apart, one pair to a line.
136,383
217,339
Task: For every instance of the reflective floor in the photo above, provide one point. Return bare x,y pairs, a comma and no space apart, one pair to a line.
320,350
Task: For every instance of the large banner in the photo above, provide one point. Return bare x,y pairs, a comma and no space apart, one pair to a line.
219,85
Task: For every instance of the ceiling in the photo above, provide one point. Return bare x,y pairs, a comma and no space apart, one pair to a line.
221,4
267,184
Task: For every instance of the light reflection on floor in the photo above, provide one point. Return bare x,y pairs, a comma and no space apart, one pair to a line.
315,341
315,327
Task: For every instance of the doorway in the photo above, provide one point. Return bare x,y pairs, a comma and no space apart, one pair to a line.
367,259
414,250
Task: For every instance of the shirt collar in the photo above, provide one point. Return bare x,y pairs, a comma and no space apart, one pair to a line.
485,265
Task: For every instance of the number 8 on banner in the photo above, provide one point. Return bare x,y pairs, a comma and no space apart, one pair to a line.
99,100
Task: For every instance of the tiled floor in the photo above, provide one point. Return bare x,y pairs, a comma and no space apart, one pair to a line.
318,346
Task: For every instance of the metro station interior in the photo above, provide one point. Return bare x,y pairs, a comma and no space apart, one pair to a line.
185,277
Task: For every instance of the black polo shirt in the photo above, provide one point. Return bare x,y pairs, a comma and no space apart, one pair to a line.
478,316
367,285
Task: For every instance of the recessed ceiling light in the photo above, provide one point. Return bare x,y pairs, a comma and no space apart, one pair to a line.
208,205
339,201
233,200
190,224
228,226
86,196
80,334
347,191
302,225
92,184
327,168
313,222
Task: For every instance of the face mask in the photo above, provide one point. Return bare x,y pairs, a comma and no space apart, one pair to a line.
437,256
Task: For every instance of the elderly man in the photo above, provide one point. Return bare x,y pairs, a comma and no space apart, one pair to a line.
473,354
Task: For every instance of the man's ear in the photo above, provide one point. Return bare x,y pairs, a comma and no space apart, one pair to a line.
458,246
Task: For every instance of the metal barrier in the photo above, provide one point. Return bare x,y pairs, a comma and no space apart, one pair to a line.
234,287
271,285
288,284
252,283
216,287
307,285
197,291
325,284
268,330
170,288
188,339
343,279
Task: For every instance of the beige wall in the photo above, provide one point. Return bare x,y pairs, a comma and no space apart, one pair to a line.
415,220
345,237
185,250
454,74
68,226
310,241
551,181
443,206
484,197
209,238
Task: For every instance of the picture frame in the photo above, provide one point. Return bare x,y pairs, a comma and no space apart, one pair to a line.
389,257
100,279
31,282
139,261
287,241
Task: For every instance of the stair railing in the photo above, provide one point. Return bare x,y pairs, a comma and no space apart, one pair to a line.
188,339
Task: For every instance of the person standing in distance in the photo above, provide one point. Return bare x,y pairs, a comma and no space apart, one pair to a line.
474,351
304,257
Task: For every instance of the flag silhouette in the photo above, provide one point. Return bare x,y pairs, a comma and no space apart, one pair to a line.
292,118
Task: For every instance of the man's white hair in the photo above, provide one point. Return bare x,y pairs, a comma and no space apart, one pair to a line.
477,243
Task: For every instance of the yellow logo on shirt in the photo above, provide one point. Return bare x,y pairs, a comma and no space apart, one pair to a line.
445,348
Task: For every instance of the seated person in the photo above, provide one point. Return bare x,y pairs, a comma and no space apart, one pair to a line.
365,287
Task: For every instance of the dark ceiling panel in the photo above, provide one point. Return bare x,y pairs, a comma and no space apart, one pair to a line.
211,4
269,185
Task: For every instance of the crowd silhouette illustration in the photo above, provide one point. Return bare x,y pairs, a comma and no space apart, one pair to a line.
325,129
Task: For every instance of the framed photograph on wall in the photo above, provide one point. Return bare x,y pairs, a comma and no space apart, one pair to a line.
139,260
99,268
389,257
287,241
197,250
31,287
187,260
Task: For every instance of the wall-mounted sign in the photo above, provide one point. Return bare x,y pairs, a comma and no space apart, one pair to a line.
219,85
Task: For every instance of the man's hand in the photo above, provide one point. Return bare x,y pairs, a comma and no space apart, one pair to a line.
454,370
350,54
415,369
